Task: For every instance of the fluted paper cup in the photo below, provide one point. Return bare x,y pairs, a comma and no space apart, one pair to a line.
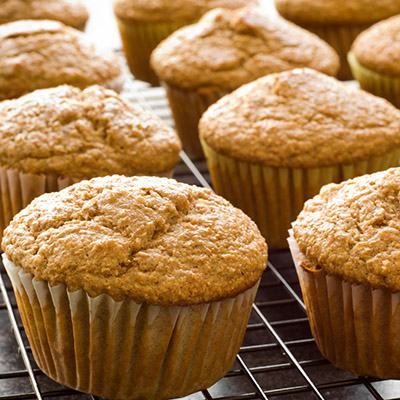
139,39
125,350
340,37
187,107
356,327
272,196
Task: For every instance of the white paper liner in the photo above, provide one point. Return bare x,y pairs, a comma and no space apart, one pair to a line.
124,349
356,327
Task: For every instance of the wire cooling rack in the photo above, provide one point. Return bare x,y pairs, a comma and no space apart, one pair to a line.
278,357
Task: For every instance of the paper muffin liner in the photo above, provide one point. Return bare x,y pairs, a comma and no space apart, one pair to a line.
125,350
274,196
139,39
340,37
187,107
376,83
355,327
19,188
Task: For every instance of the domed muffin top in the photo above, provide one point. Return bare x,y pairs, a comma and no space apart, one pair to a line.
36,54
78,133
69,12
152,239
228,48
167,10
300,118
378,48
352,230
354,12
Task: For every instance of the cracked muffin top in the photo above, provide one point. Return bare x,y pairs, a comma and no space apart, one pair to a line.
378,48
167,10
69,12
355,12
155,240
300,118
43,53
352,230
78,133
226,49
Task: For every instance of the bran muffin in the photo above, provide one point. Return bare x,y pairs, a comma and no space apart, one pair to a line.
346,248
144,24
36,54
337,21
69,12
273,143
51,138
375,59
200,63
159,275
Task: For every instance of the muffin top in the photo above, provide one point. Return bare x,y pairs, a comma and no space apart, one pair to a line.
354,12
300,118
378,48
226,49
36,54
70,12
167,10
83,133
155,240
352,230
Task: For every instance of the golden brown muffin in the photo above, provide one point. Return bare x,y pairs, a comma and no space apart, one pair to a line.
69,12
347,242
144,24
337,21
36,54
53,137
375,59
159,274
271,144
224,50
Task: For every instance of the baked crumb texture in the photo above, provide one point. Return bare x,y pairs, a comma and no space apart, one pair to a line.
228,48
77,133
167,10
37,54
300,118
319,12
378,48
69,12
152,239
351,230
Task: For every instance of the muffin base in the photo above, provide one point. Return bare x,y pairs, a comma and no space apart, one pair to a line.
125,350
139,39
340,37
274,196
187,107
18,189
355,327
376,83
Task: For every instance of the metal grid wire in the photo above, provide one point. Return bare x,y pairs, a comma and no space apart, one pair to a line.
278,357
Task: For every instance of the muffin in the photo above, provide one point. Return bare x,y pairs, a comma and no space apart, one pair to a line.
43,53
54,137
69,12
337,21
134,288
273,143
144,24
346,247
200,63
375,59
